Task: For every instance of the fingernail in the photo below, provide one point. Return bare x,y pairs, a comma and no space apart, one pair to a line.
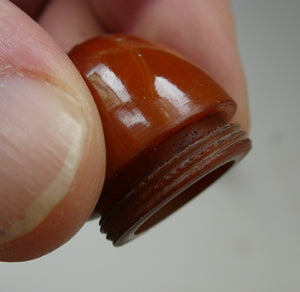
42,135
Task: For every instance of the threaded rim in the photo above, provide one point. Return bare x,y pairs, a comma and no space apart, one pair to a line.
217,148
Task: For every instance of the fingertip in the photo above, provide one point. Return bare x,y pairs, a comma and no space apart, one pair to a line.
67,217
69,24
51,142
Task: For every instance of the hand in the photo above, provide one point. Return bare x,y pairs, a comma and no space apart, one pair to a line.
52,154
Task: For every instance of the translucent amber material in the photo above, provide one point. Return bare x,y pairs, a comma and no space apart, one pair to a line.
165,130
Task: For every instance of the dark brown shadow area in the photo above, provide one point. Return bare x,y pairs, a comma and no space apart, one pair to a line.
184,197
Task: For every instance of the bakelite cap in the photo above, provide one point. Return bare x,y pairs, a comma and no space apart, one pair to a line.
165,126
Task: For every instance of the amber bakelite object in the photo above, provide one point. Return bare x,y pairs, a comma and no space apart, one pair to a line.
165,126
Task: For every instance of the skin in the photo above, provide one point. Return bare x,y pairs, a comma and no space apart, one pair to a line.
35,53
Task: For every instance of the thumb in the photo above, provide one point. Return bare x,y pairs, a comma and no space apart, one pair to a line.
52,157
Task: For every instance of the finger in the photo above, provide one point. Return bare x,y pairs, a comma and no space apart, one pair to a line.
51,143
69,22
201,30
31,7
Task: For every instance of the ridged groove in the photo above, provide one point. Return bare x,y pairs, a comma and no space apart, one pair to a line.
226,143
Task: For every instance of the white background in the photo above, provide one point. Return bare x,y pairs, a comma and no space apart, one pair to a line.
242,234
